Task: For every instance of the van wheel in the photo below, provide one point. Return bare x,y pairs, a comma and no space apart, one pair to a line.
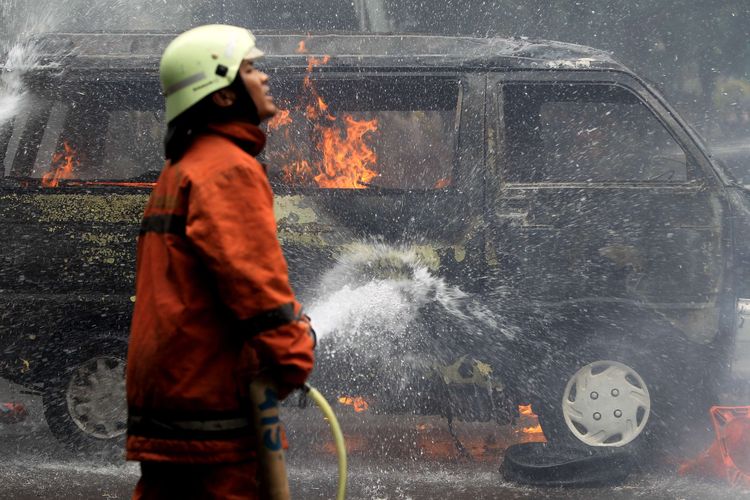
614,396
606,403
85,407
603,403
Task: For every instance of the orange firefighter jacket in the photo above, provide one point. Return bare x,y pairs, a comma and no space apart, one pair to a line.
213,305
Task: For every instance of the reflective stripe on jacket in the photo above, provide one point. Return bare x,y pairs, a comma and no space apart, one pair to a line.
213,305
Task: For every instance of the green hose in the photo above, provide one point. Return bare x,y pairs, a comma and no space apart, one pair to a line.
338,437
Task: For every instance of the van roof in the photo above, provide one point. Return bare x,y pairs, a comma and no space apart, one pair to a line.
143,50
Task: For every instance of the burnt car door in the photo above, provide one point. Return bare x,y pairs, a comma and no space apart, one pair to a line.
601,199
604,214
368,156
607,218
369,165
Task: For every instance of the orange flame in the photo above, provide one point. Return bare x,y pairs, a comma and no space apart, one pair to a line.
317,108
63,165
281,119
442,183
346,160
530,422
298,171
359,404
534,429
301,48
525,410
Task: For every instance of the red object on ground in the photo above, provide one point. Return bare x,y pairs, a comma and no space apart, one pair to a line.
728,458
12,413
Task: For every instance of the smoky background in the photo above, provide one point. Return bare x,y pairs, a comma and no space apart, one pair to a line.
696,52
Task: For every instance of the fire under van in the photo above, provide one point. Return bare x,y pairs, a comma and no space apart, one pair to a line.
598,254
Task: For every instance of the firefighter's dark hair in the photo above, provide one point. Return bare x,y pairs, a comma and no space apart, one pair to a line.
182,131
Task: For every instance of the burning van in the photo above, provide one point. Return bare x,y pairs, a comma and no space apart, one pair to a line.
555,232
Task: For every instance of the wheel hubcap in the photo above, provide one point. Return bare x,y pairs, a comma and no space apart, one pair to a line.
606,403
96,397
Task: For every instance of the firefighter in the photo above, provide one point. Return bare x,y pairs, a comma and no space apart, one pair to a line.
214,308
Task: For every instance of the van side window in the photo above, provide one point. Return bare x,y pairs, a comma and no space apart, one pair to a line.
69,135
586,133
372,132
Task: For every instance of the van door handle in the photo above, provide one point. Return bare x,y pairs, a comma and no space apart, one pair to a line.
514,218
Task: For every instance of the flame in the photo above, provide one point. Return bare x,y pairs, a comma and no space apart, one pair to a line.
359,404
529,422
63,165
526,410
535,429
346,160
298,171
317,107
442,183
281,119
301,48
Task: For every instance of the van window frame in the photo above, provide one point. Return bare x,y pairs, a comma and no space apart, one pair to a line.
49,89
341,73
700,172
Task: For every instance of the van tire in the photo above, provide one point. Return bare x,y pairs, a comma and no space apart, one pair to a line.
84,405
679,402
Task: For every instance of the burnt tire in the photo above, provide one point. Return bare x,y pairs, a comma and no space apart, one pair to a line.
84,405
543,464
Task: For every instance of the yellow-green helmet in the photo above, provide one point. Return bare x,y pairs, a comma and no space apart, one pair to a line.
202,61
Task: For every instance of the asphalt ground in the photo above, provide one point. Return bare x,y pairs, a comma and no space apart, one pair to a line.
390,458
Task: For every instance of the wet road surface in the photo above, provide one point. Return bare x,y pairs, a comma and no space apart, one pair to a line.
44,477
35,466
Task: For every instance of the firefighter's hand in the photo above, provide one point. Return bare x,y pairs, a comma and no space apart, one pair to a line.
284,388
